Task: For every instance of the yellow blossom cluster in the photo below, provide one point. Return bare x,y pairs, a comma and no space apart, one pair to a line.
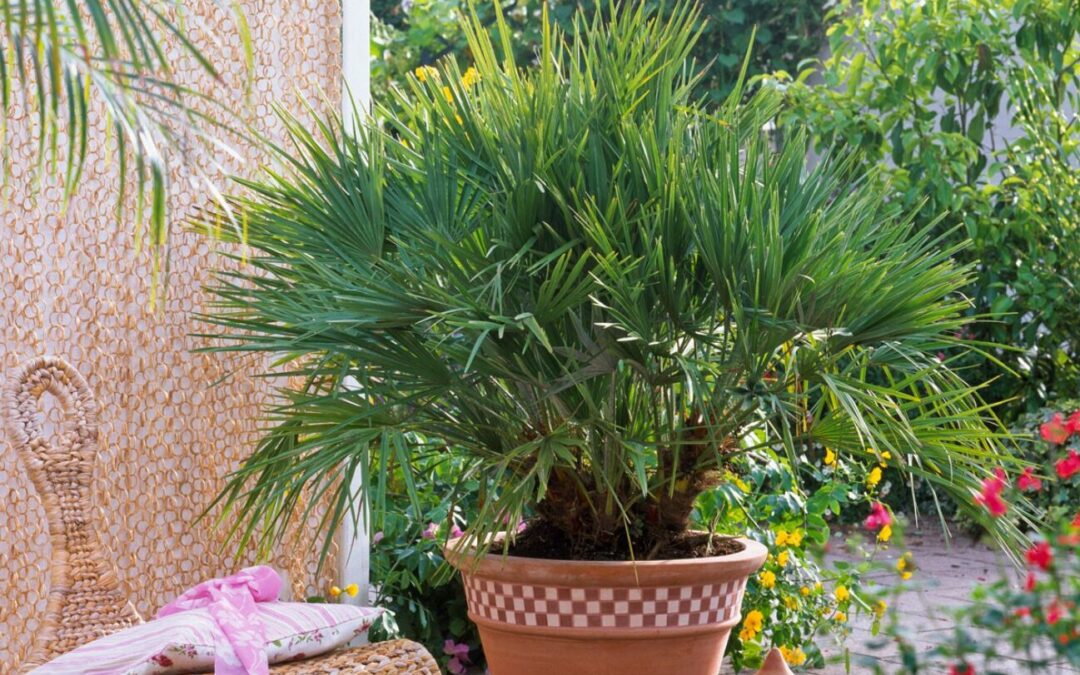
905,565
793,656
792,539
752,625
351,590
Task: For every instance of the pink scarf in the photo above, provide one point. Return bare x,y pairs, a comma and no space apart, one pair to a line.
240,643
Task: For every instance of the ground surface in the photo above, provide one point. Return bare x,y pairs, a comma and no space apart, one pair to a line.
948,571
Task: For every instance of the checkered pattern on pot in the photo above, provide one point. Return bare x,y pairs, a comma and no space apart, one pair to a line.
638,607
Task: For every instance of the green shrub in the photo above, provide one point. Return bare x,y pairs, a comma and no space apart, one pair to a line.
412,33
916,89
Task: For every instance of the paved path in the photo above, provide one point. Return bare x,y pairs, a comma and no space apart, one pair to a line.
947,573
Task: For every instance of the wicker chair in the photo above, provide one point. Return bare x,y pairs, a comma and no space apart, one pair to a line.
85,601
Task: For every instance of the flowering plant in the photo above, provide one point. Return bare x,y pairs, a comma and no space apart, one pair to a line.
794,600
1038,618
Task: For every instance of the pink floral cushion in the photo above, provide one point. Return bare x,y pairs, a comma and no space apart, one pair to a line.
184,642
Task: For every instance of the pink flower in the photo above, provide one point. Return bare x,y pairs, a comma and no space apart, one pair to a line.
1068,466
1040,556
1029,481
879,517
1073,423
162,660
429,533
521,526
962,669
1054,430
377,537
456,532
459,656
990,497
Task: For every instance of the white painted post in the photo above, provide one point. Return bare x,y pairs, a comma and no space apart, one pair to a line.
355,545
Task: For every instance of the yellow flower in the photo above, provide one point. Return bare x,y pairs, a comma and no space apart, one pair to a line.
448,94
334,591
781,538
905,565
782,558
830,457
755,620
879,608
424,72
841,593
795,538
804,591
885,457
818,587
741,484
875,476
840,617
793,657
791,602
768,579
885,534
470,77
746,634
352,590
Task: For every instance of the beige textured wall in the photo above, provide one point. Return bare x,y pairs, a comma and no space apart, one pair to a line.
71,284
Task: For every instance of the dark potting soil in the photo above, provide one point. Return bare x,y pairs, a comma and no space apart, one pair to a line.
540,540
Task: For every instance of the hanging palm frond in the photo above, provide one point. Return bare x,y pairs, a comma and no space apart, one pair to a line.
62,61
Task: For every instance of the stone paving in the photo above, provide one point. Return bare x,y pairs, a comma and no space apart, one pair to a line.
947,573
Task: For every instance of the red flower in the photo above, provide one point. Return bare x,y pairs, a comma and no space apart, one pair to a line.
1022,612
879,517
1055,430
1040,556
1029,583
1076,520
1029,481
1068,466
1053,613
962,669
162,660
1073,423
990,497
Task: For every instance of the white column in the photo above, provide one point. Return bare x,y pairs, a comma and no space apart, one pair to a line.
353,561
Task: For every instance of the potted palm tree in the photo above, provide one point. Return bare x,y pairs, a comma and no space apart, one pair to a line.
598,293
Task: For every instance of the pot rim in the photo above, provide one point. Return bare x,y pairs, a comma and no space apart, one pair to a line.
605,572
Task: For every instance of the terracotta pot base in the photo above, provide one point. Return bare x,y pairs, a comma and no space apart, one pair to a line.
547,617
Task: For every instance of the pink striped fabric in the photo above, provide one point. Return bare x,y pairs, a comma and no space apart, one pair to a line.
186,642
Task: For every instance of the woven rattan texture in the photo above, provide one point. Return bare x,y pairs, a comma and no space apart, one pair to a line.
84,601
396,656
73,284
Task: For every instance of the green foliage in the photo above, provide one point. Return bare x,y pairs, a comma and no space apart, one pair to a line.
62,61
406,561
408,34
595,290
921,91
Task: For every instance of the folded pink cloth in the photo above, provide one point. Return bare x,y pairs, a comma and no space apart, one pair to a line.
240,642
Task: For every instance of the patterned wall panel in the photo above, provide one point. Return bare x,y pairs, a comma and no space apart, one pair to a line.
73,284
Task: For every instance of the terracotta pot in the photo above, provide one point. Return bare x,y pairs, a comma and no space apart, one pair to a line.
556,617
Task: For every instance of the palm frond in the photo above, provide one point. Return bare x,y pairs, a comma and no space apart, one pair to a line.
66,62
